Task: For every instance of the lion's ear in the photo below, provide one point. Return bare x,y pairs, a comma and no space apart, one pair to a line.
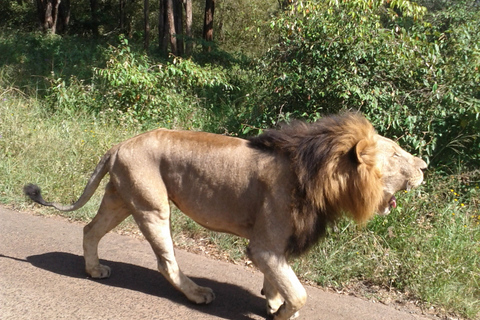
362,152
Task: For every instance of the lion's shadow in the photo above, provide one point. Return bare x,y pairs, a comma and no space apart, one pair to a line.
232,302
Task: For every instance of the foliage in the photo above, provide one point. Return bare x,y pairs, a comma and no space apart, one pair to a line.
415,77
17,14
34,61
143,92
136,90
243,26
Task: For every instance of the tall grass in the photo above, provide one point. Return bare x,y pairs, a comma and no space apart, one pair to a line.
55,151
428,248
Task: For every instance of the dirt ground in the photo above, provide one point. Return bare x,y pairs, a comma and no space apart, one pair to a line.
42,277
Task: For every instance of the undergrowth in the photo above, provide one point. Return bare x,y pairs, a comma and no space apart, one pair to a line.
55,151
428,248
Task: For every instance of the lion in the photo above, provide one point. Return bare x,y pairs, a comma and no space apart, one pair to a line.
280,190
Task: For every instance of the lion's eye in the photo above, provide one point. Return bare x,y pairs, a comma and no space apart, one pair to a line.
397,155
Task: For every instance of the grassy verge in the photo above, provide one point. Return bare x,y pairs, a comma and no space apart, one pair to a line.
428,249
56,152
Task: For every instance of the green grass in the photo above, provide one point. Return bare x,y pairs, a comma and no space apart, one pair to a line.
428,248
57,152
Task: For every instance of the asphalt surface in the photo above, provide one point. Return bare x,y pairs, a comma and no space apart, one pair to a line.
42,277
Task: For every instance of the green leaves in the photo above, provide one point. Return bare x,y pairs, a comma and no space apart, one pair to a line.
414,74
135,90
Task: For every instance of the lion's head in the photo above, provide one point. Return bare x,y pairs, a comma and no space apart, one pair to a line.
342,166
400,171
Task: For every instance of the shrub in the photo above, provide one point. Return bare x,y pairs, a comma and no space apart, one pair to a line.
134,89
415,76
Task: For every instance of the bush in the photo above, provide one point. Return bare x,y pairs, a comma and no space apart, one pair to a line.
414,75
134,89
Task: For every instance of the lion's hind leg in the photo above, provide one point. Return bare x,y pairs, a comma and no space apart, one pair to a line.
112,211
152,214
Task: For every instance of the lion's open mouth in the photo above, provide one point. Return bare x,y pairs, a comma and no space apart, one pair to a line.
393,202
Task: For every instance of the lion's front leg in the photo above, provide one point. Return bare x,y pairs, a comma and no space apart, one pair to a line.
272,296
279,280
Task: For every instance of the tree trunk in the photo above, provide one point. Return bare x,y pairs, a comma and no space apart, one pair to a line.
284,4
63,16
53,30
178,21
94,22
189,23
53,15
170,26
146,43
162,28
121,7
208,24
44,11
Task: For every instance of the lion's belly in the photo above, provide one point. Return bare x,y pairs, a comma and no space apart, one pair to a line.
226,205
221,192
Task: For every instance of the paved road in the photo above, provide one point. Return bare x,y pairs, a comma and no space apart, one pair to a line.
42,277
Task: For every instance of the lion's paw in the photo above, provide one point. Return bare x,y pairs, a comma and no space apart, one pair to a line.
201,295
280,314
295,315
99,272
273,305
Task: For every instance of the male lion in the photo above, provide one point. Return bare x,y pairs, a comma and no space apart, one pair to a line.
280,190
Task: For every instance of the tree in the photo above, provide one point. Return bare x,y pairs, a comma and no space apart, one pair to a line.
162,34
208,24
94,16
169,26
53,15
188,26
178,24
121,5
146,43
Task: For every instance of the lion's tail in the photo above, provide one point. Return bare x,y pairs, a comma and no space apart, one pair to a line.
34,192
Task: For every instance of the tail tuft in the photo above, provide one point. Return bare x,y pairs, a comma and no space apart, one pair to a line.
33,192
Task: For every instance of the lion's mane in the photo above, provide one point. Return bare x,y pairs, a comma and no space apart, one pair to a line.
334,160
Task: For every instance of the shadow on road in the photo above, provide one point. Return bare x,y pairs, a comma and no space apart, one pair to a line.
232,302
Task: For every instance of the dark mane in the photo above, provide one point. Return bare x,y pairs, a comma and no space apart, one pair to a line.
324,160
